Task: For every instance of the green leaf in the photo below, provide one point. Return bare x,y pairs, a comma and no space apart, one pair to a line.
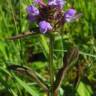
2,69
13,92
26,87
44,45
84,90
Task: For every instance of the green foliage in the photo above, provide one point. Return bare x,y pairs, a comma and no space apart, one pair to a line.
26,87
84,90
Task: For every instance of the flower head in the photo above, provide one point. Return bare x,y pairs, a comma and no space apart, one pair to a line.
69,15
50,14
44,26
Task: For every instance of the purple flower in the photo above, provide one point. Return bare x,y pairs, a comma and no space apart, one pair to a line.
32,10
44,26
58,3
69,15
32,13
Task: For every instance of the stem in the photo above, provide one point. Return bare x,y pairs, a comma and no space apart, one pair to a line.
51,64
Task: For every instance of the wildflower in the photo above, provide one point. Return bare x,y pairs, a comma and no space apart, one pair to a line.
50,14
44,26
32,10
69,15
58,3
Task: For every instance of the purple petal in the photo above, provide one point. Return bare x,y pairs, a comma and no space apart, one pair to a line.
58,3
32,10
52,2
69,15
37,1
44,26
71,12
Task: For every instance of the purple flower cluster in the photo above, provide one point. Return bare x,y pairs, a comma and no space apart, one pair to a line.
49,15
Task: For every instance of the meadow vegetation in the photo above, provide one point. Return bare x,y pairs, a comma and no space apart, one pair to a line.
24,60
